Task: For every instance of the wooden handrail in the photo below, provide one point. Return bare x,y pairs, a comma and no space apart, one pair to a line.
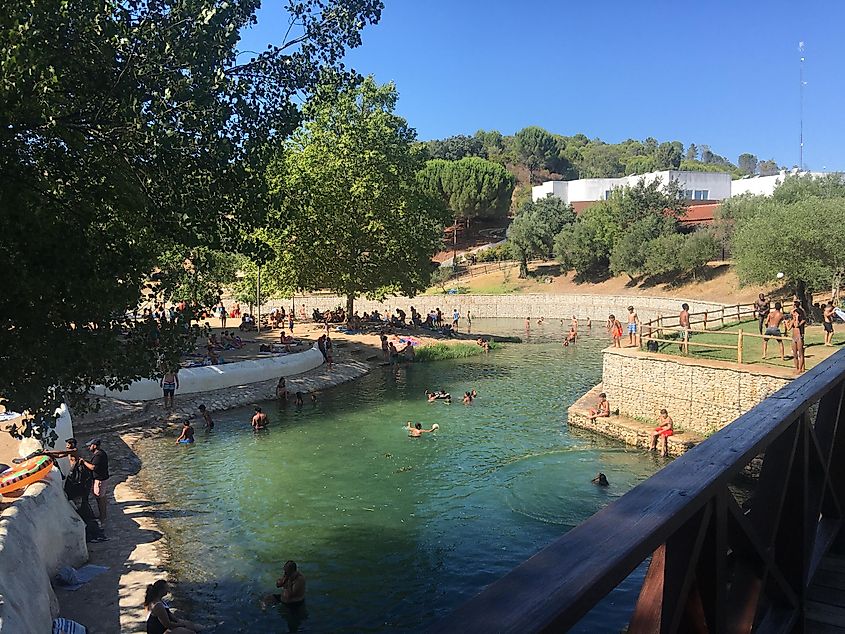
715,565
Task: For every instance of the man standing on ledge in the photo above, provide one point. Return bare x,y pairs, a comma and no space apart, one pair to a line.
633,327
683,323
99,466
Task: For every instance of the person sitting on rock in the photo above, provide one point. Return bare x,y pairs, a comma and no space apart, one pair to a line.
664,429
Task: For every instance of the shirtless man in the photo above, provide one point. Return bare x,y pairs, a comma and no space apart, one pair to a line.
827,322
573,325
292,584
683,323
602,409
773,319
208,424
259,421
633,327
169,383
416,430
762,308
797,323
664,429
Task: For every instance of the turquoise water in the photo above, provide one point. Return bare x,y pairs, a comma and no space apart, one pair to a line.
391,532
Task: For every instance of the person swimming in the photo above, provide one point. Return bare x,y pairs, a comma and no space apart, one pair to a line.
259,421
467,398
439,394
600,480
416,430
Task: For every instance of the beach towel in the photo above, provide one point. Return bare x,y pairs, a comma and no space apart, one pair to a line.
71,579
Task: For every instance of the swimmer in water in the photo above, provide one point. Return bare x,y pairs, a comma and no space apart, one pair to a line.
601,480
259,421
473,394
467,398
209,424
415,431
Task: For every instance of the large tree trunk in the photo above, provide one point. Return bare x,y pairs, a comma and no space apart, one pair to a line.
801,293
350,304
523,268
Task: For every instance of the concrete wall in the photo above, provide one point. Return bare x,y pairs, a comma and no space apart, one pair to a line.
765,185
701,396
216,377
597,307
39,533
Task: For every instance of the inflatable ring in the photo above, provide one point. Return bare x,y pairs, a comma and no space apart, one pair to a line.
25,474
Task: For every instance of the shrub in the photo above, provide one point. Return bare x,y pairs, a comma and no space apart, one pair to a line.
444,351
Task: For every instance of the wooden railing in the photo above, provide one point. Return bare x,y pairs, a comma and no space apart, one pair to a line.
716,564
656,329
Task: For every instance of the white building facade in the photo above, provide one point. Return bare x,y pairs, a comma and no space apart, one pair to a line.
697,186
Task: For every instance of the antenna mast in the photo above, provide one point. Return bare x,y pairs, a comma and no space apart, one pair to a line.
801,107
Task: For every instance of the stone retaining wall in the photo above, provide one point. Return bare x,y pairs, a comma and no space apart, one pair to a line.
701,396
39,533
597,307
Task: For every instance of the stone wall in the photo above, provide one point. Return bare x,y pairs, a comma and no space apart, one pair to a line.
39,533
701,396
597,307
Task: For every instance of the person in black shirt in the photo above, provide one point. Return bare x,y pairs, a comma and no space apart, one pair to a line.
99,466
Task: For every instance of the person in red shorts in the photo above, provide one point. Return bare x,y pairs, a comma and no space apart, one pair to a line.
664,429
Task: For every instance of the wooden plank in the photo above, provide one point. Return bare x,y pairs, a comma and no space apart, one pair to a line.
824,613
817,627
828,579
824,594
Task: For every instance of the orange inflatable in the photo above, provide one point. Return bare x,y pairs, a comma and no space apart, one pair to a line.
26,473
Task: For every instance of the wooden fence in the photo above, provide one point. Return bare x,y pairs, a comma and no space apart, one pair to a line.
656,329
718,562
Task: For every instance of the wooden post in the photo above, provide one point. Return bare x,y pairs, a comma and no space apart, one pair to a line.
722,317
705,320
739,346
737,312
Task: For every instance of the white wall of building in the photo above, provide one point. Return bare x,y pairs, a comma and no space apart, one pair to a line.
699,185
764,185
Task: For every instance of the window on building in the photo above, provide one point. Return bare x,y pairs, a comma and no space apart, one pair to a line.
701,194
688,194
607,194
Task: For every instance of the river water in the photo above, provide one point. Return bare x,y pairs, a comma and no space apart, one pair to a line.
392,532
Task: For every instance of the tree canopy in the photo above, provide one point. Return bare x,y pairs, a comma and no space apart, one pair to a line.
348,212
470,188
128,130
533,230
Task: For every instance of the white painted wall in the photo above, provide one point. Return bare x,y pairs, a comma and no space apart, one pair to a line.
717,184
39,533
217,377
765,185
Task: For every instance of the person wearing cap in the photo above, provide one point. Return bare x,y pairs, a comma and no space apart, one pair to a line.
99,466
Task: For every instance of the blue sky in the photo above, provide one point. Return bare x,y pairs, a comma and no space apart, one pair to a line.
712,72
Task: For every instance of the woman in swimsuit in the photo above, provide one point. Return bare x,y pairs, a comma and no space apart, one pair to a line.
160,619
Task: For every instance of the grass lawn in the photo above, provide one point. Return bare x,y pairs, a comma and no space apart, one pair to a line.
752,347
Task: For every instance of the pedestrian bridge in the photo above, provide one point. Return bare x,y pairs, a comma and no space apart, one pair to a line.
741,534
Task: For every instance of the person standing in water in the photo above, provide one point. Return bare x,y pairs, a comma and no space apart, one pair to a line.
292,583
259,421
416,430
208,424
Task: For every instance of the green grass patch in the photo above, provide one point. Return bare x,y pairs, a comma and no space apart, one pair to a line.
444,351
752,347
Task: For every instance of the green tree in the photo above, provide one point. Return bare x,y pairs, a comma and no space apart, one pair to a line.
630,251
662,254
456,147
668,155
198,276
585,245
747,163
692,153
349,215
649,199
535,147
795,188
470,188
533,230
126,128
698,248
600,160
768,168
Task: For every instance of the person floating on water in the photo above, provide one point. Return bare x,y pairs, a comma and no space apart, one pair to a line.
415,431
600,479
439,394
187,435
208,425
259,421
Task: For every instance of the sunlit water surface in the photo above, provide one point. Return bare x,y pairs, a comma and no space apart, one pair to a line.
392,532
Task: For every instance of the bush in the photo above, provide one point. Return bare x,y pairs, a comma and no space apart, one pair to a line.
499,253
444,351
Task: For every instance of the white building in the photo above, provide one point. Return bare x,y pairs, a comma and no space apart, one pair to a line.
698,186
765,185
